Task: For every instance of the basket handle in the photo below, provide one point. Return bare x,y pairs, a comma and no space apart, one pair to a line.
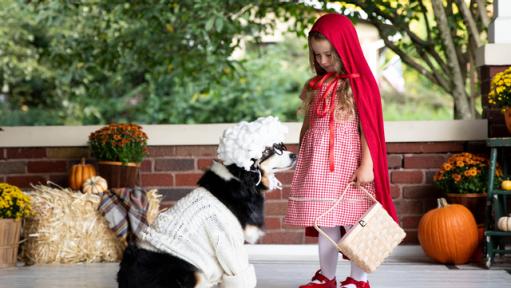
316,226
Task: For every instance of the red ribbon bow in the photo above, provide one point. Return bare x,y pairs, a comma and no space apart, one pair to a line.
322,110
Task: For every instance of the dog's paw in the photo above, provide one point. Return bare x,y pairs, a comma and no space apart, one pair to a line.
253,233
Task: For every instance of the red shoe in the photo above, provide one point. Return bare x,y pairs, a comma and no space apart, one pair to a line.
325,282
358,284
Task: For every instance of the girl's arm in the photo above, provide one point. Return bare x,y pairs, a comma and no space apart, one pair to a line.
364,172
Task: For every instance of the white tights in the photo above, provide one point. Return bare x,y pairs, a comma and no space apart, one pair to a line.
328,256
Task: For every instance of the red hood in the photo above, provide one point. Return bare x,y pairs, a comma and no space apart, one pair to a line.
341,33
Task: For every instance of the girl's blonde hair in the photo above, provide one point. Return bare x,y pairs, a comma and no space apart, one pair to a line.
345,106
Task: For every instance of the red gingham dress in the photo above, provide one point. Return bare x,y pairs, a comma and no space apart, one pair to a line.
314,188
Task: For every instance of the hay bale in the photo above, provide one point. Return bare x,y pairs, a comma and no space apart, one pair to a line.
67,228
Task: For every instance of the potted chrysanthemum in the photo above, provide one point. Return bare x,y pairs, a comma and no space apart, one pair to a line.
119,149
463,178
500,94
14,205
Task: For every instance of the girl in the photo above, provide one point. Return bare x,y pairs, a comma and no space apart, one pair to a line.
341,141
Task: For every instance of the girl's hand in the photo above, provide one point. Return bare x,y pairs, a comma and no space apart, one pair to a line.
363,175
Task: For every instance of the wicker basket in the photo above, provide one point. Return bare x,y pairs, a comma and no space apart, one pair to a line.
9,240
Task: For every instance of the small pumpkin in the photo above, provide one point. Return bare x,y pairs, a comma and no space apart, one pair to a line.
504,223
506,185
448,234
79,173
95,185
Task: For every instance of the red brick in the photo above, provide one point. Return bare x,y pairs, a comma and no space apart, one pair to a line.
429,176
46,166
403,147
287,237
162,179
395,161
3,154
67,152
196,150
431,147
204,163
495,115
24,181
395,191
272,223
285,191
274,207
424,161
408,207
438,147
147,165
411,238
274,194
187,179
60,179
285,177
420,191
496,69
12,167
24,153
406,177
428,204
410,222
311,240
487,72
174,164
162,151
291,227
293,148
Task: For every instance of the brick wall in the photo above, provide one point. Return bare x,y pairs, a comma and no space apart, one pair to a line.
174,170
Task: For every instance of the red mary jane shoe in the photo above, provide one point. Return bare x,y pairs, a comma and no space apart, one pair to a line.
358,284
325,282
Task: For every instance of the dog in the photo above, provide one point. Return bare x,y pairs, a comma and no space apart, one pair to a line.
199,241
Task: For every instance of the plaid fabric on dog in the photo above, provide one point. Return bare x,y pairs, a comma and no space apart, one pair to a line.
125,210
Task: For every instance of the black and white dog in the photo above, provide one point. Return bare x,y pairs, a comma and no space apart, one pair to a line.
199,241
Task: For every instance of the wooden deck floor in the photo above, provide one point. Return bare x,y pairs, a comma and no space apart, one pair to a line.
407,268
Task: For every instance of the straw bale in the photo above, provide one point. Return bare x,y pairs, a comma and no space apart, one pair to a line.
67,228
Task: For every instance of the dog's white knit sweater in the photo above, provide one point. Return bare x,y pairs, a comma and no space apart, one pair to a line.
201,230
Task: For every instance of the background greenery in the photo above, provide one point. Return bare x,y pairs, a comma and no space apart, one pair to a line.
94,62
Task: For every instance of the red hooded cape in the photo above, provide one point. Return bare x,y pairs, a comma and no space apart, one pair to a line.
341,33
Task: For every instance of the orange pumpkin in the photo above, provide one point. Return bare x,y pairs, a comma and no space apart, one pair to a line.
79,173
448,234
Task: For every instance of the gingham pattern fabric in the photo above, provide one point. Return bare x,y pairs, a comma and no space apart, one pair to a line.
314,188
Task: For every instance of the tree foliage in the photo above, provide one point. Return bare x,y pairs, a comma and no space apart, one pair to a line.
169,61
437,38
103,61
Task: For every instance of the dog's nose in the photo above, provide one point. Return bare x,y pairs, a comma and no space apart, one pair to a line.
292,156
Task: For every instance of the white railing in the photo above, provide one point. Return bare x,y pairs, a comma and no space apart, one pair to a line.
208,134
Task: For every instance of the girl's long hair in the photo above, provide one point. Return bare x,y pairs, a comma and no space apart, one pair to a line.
345,106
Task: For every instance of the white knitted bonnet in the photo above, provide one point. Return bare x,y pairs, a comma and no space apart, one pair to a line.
247,140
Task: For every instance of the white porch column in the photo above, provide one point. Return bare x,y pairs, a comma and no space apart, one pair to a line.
498,32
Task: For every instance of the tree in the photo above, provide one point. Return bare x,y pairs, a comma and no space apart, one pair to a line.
101,61
437,38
